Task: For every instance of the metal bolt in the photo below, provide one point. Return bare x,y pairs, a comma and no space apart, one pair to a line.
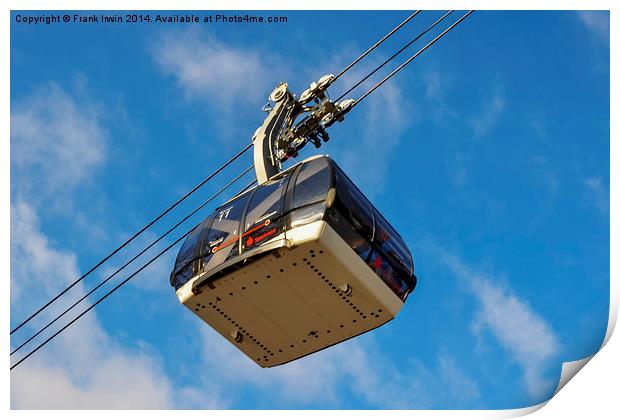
237,336
346,289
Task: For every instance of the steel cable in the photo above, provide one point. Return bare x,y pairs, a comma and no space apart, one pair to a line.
148,225
395,55
389,34
102,298
50,323
420,51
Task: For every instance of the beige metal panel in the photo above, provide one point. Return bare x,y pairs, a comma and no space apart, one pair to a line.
286,309
227,310
323,276
306,233
302,307
362,274
365,301
369,280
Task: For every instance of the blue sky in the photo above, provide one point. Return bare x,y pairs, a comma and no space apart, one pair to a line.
490,154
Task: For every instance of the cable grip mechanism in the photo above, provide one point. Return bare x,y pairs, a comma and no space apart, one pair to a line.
280,137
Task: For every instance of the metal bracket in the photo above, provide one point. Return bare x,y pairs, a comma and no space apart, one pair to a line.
266,163
278,138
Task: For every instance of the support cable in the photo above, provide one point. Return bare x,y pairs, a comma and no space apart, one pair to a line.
389,34
134,258
148,225
101,299
395,55
399,68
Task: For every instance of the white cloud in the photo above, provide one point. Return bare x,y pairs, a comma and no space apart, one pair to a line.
407,383
488,115
305,381
30,245
206,68
337,376
56,143
436,84
598,194
460,388
522,332
433,85
83,367
153,278
596,21
379,130
116,381
458,168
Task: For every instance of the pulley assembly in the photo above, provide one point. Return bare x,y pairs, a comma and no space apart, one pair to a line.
281,137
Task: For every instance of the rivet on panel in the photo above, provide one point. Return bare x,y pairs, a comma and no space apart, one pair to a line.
236,335
346,289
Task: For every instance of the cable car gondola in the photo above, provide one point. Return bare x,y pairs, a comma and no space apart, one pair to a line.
299,263
302,261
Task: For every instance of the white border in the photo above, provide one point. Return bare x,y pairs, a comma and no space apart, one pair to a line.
591,394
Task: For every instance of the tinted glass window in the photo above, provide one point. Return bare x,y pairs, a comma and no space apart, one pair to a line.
188,250
352,237
353,205
312,183
223,237
391,244
264,220
183,267
395,279
308,214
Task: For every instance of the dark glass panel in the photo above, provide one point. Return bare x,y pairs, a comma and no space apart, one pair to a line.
392,244
223,237
189,252
344,229
393,277
353,204
263,219
312,183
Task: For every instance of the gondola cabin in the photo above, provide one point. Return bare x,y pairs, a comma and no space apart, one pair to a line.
295,265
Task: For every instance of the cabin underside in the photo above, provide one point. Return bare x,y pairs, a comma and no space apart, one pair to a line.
296,300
